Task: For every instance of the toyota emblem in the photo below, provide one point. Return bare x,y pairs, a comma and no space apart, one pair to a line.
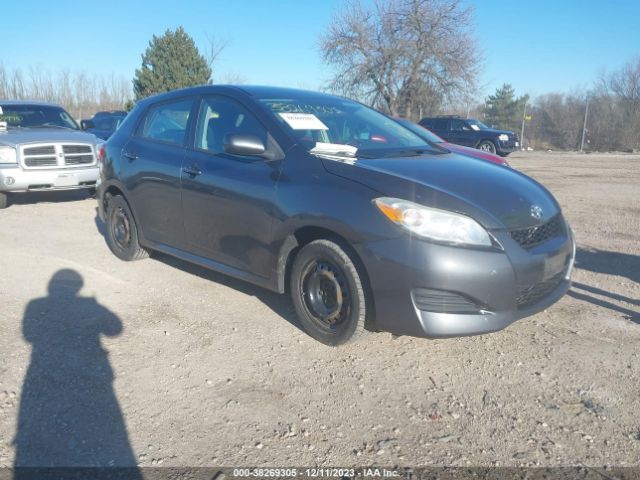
536,212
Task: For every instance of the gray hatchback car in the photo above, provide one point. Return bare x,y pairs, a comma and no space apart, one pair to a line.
363,222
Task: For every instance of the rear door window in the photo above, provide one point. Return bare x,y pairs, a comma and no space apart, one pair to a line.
441,124
167,122
459,126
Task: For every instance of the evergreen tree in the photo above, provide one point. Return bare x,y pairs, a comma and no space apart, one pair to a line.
169,62
503,109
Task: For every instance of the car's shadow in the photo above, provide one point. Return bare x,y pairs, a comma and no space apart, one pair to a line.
608,263
58,196
279,303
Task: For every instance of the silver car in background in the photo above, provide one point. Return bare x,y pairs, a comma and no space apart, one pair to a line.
42,148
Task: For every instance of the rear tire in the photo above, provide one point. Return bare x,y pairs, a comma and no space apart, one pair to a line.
4,200
487,146
328,294
122,231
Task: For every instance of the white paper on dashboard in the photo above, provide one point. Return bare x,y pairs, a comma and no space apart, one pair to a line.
303,121
3,125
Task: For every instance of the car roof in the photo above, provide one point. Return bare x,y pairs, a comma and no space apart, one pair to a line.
28,102
256,91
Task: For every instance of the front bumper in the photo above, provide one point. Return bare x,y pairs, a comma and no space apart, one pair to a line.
509,146
16,179
499,287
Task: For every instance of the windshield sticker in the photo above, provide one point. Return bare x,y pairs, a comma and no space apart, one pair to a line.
303,121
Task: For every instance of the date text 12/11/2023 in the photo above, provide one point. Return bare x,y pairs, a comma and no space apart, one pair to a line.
320,473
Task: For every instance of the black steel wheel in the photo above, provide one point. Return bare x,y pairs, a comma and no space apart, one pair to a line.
122,231
328,294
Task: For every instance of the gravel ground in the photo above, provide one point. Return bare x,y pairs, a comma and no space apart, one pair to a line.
162,363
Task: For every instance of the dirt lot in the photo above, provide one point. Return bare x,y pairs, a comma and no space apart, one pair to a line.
173,365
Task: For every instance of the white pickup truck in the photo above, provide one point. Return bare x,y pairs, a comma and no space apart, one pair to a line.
42,148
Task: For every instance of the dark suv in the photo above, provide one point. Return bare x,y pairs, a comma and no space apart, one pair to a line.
472,133
103,124
367,225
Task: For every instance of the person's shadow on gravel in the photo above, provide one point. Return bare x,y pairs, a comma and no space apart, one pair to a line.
69,415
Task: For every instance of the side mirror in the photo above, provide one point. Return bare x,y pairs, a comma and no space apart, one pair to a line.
85,124
244,144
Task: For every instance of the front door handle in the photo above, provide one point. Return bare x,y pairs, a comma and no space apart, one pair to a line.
192,171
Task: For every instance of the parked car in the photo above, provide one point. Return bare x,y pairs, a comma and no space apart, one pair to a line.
472,133
366,225
103,124
434,139
42,148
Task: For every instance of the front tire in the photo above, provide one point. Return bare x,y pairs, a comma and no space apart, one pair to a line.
122,231
328,293
4,200
487,146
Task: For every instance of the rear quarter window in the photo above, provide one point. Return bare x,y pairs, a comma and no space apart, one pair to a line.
167,122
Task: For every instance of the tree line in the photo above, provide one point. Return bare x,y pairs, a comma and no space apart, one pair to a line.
80,93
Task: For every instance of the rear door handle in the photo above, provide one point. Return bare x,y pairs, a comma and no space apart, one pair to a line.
129,155
193,170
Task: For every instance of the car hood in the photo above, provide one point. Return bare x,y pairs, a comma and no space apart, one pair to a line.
17,136
496,196
495,131
474,152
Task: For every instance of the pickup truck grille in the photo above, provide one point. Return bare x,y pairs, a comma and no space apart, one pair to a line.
57,155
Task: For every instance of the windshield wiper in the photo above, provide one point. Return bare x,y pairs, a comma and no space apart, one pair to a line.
413,152
50,125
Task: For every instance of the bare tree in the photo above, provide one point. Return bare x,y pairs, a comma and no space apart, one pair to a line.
402,55
212,51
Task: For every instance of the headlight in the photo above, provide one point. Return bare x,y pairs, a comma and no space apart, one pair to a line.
433,223
8,155
503,137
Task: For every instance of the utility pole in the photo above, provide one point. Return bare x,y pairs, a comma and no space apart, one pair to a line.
524,116
584,125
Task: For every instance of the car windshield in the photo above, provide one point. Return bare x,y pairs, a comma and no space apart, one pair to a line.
476,125
343,127
36,116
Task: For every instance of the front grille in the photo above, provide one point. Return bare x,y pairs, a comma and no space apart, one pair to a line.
531,295
530,237
41,162
57,155
442,301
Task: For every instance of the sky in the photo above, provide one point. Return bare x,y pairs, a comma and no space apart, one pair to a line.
537,46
